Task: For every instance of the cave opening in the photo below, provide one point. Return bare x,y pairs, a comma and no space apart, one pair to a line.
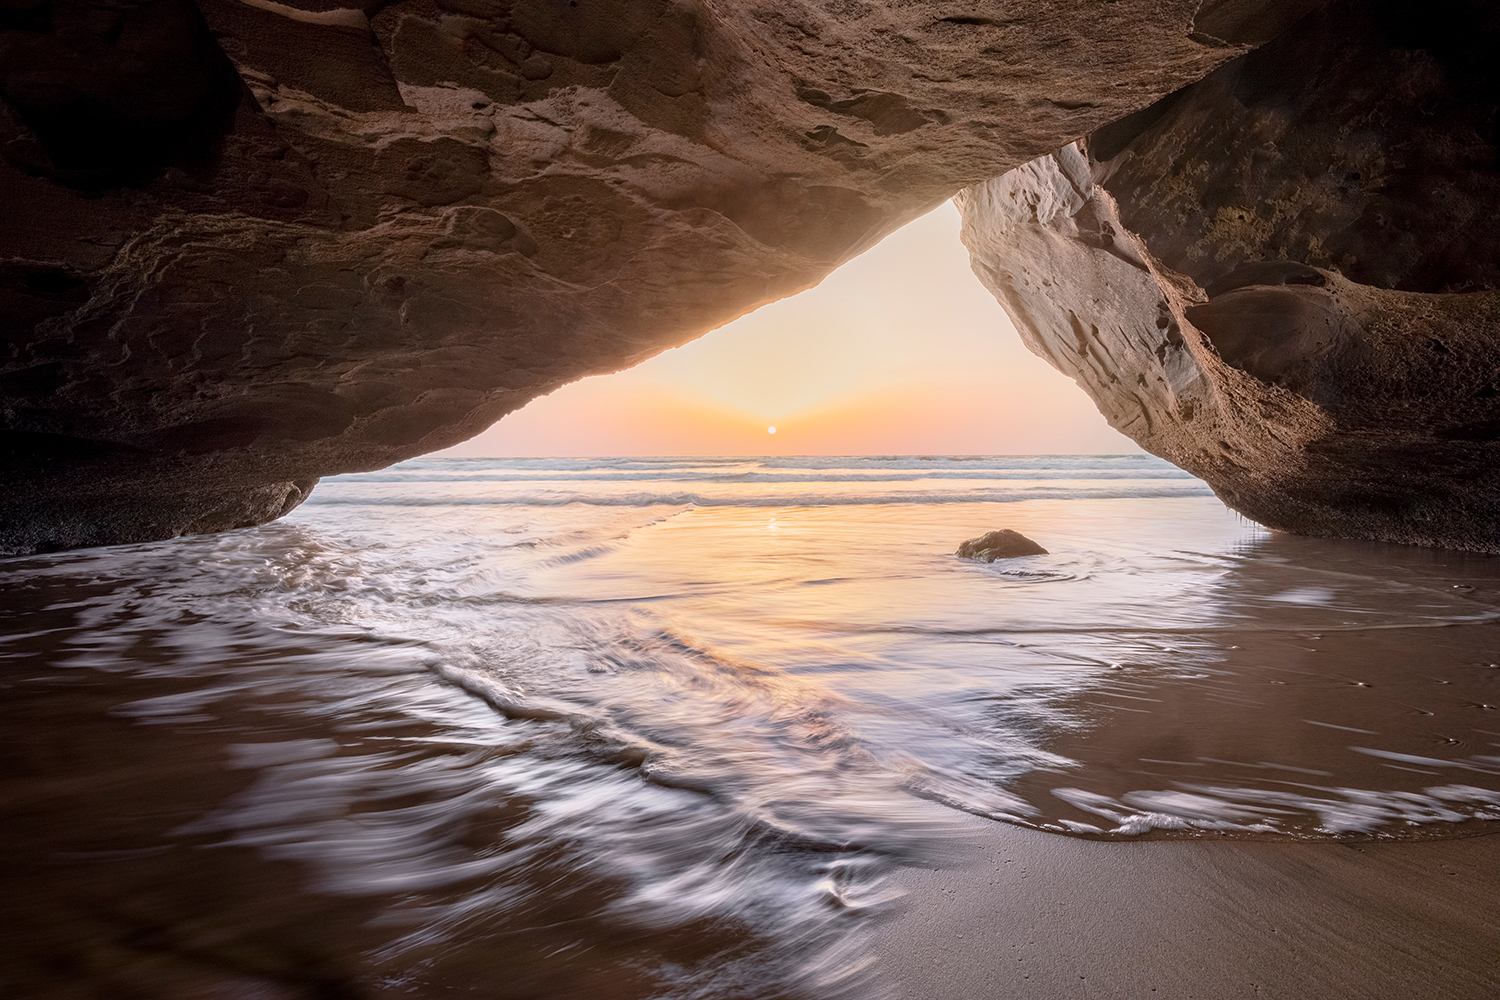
899,351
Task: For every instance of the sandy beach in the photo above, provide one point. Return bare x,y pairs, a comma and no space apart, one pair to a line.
1042,916
426,740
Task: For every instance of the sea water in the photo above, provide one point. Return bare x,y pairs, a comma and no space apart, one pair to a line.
657,727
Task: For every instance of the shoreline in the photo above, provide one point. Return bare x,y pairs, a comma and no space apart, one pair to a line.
239,766
1040,915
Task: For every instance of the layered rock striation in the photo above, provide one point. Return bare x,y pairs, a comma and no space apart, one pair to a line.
248,243
1286,278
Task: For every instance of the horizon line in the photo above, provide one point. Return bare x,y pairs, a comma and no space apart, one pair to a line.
920,456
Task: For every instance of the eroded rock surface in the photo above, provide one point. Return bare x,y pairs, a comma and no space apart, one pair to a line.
1285,278
248,243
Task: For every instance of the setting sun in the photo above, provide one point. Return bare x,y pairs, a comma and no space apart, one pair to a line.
899,351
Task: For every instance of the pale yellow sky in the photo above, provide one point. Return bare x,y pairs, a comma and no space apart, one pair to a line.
900,351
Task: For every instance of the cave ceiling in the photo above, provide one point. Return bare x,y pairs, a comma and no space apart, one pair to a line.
246,244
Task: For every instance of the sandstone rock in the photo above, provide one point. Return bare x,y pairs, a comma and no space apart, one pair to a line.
1002,544
1285,278
247,243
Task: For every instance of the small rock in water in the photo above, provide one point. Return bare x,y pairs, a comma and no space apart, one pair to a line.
1002,544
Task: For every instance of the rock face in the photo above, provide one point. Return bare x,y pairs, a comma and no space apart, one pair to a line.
247,243
1005,543
1286,277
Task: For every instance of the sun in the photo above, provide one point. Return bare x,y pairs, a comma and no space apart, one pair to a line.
770,430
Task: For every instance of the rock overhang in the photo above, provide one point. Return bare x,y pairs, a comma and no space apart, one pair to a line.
354,235
1280,278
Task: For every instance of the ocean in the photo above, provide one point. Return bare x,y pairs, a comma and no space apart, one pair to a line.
661,727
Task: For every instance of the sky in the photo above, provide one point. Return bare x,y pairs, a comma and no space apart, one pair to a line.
899,352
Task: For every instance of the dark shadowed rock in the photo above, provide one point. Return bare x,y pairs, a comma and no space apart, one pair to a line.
1286,278
1002,544
249,243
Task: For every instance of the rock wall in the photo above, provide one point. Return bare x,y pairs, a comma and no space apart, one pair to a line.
248,243
1285,278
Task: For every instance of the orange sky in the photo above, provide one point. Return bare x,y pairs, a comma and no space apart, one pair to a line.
900,351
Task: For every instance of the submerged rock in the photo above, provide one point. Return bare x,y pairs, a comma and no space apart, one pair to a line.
1286,278
1002,544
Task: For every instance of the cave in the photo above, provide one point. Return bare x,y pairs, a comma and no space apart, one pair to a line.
686,728
251,244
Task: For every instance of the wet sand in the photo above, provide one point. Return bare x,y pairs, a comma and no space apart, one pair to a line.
1038,915
1203,916
231,767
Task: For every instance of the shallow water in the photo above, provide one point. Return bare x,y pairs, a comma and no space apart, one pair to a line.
657,727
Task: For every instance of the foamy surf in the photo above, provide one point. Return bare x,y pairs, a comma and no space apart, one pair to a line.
685,721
